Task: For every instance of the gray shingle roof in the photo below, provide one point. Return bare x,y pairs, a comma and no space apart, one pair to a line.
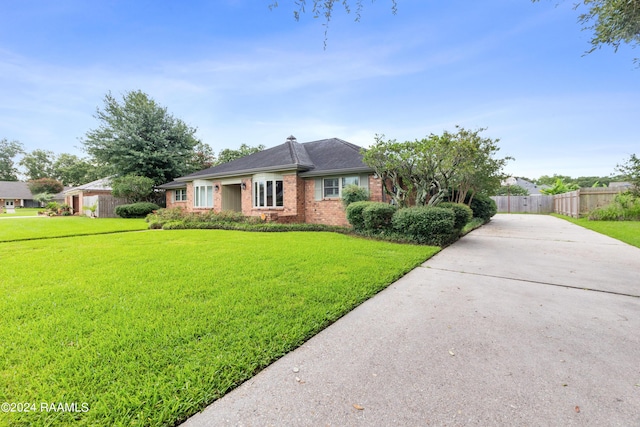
20,190
15,190
103,184
313,158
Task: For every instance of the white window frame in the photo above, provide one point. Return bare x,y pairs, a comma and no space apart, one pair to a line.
202,194
180,195
343,181
260,191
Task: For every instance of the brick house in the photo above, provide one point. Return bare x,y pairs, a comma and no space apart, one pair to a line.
291,182
97,192
16,194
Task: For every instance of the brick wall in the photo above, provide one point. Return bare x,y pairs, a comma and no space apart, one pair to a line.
299,202
331,211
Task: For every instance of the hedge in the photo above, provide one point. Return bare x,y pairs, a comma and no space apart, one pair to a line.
462,212
426,225
136,210
354,214
377,216
483,207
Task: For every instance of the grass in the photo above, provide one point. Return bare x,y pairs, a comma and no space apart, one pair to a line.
625,231
64,226
148,328
22,212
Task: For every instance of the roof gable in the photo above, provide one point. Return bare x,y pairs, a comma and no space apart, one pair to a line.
309,158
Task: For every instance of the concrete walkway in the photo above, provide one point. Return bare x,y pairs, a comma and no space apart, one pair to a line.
529,320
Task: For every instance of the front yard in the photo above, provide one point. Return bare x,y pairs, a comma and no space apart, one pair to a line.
148,328
626,231
12,229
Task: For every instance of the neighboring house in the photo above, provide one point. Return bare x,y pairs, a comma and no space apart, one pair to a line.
96,192
291,182
534,189
620,184
16,194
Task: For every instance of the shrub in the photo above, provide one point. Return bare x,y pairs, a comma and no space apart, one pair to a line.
354,193
426,225
625,207
483,207
462,212
354,214
136,210
377,216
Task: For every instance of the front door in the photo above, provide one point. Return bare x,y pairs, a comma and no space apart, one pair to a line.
9,204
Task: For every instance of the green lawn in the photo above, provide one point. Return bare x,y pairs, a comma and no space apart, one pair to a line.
61,226
626,231
22,212
148,328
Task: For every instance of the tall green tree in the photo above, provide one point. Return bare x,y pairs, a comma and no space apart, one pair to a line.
8,151
38,164
203,157
228,154
72,170
134,188
136,136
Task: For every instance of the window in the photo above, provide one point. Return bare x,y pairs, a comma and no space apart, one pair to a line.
180,195
268,193
350,180
202,194
331,187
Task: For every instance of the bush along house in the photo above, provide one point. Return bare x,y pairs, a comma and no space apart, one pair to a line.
291,182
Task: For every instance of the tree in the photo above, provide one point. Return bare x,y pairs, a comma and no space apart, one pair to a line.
424,172
45,185
630,170
38,164
227,154
137,136
203,157
478,170
134,188
8,151
613,22
72,170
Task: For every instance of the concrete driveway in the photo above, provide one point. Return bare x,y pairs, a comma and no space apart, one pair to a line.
528,321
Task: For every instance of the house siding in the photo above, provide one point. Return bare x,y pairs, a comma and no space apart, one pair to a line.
331,211
299,202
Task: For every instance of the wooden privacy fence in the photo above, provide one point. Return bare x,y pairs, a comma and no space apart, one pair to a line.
580,202
106,205
524,204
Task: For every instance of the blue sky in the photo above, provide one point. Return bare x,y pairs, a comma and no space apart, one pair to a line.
241,73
